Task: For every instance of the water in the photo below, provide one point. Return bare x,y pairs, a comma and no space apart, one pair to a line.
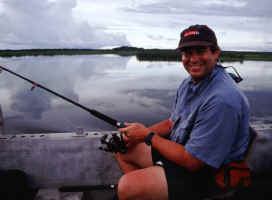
121,87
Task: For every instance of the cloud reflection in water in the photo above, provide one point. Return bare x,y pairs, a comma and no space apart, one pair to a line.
120,87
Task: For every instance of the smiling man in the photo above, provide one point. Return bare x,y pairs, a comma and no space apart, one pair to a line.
208,128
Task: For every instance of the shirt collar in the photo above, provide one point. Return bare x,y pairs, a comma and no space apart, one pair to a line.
210,76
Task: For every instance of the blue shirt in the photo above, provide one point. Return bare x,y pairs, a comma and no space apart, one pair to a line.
216,114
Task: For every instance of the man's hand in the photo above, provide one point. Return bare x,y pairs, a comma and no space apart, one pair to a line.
134,133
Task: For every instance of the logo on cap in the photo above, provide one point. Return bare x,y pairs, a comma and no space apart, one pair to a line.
191,33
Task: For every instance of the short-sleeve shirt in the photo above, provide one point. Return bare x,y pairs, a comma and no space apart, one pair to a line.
212,117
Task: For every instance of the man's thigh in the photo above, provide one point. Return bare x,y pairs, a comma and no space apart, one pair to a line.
148,183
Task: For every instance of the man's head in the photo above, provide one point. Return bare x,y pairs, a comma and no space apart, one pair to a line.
200,51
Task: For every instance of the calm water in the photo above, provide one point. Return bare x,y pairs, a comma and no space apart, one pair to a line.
121,87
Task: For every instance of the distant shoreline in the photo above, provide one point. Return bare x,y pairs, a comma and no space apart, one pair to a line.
141,54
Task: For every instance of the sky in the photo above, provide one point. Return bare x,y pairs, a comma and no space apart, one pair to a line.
238,24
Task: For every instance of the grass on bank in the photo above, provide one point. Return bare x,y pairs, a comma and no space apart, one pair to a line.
141,54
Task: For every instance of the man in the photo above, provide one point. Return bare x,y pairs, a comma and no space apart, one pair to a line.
209,127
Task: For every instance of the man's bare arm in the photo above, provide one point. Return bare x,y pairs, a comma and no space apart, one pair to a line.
136,132
162,128
176,153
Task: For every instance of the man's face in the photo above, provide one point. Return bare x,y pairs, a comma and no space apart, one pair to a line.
199,62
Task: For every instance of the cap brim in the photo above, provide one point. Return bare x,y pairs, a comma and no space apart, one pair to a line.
194,44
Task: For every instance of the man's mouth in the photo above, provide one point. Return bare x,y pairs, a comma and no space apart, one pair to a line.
195,68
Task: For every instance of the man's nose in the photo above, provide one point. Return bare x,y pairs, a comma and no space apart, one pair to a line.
194,58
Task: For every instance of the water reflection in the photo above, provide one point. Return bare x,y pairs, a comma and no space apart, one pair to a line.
257,85
120,87
75,77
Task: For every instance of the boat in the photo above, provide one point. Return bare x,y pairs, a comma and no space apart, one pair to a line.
66,161
74,161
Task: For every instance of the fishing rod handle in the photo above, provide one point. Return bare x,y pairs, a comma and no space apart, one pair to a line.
120,125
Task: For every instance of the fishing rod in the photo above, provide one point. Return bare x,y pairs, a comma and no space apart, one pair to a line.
114,143
95,113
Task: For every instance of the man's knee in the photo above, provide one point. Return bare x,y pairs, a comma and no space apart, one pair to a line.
127,190
148,183
124,188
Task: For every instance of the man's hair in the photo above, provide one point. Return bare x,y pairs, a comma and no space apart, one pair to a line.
214,48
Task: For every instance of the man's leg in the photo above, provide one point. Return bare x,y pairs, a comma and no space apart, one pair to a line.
145,184
142,180
137,157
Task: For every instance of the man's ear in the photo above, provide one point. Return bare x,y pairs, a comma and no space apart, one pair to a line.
217,53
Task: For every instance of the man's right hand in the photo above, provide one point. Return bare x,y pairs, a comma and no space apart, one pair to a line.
134,133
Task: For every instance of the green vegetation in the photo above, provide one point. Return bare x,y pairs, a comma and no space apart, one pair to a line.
141,54
55,52
225,56
245,55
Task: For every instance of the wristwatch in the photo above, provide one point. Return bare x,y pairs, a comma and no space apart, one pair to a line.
149,138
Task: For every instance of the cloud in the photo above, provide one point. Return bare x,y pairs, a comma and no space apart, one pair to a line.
50,24
39,103
230,3
155,37
246,23
148,24
246,8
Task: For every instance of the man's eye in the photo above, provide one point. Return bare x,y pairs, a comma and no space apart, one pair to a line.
201,51
187,53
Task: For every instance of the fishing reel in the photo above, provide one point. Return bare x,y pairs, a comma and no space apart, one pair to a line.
113,143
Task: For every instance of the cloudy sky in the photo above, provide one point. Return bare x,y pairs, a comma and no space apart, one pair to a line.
239,24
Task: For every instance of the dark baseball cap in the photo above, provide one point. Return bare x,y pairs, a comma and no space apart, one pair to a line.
197,35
